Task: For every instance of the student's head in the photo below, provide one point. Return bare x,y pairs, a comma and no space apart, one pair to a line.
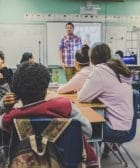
100,53
2,57
82,58
30,82
27,57
69,28
120,53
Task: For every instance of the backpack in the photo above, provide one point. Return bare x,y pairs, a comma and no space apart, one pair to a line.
38,152
34,151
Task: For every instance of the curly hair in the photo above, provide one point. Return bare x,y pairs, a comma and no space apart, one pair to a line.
30,82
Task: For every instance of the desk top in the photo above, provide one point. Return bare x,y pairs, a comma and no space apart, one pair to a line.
85,108
73,98
91,115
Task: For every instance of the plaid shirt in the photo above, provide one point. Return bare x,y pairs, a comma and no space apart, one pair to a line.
69,45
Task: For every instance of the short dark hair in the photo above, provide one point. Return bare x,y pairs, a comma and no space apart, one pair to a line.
2,56
26,56
100,53
30,82
120,53
69,23
82,55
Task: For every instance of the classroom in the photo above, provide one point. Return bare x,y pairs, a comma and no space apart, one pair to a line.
107,28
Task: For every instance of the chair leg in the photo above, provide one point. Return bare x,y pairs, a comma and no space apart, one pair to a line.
113,152
98,152
120,154
130,157
96,145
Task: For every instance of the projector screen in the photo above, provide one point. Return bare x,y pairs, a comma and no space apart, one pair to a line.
89,33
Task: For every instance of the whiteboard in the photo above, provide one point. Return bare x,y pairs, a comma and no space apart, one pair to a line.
15,39
89,33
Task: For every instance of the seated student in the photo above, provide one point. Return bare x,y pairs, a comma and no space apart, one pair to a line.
30,85
7,101
27,57
82,65
4,87
5,72
120,53
110,82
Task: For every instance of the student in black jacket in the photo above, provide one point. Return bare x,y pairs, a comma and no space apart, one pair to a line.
6,73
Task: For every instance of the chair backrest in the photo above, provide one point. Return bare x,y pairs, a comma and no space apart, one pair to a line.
137,103
69,144
132,132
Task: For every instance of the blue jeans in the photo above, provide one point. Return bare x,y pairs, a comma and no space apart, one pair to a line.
110,135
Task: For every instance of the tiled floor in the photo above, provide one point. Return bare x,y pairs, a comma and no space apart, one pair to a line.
133,148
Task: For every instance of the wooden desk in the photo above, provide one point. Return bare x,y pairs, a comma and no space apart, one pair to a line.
89,110
73,98
91,115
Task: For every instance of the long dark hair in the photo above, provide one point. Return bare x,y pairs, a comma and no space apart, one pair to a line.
101,53
119,68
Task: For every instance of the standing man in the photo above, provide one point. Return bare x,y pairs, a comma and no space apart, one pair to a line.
67,49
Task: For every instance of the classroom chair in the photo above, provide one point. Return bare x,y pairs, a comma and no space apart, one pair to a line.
118,144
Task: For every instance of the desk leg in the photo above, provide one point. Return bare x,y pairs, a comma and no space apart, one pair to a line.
96,139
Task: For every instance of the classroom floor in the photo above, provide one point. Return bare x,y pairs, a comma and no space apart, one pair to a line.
133,148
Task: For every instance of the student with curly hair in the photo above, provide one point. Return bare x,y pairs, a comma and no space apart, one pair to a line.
6,73
30,84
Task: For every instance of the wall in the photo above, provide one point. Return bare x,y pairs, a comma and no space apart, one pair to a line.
14,10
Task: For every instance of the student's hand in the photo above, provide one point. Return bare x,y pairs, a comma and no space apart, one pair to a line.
9,99
4,65
62,65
